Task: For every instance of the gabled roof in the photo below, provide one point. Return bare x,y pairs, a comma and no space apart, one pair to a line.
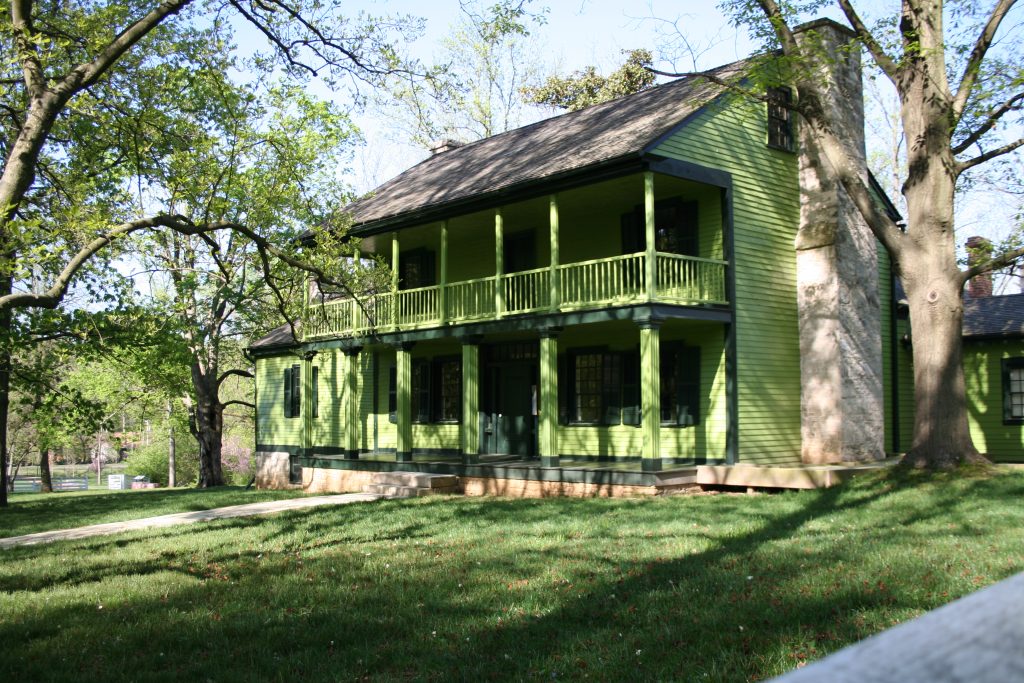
561,145
279,337
994,316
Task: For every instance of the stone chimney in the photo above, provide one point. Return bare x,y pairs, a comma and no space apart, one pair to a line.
444,145
979,250
839,317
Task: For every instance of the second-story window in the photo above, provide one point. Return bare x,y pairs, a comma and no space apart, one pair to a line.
676,228
416,269
780,119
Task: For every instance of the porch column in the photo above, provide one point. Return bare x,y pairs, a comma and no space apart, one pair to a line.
442,297
650,399
470,426
350,409
549,396
394,279
650,263
554,296
403,398
499,264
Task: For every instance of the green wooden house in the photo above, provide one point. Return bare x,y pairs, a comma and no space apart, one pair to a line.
609,297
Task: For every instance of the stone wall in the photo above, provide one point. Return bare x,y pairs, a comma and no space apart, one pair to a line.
272,469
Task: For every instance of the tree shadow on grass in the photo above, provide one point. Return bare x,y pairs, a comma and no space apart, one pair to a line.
509,590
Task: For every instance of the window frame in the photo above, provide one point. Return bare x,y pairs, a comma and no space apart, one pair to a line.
1008,366
780,129
439,383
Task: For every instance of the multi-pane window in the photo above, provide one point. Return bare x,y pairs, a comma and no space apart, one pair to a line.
1013,390
680,384
675,228
587,374
436,391
448,393
292,391
780,119
421,391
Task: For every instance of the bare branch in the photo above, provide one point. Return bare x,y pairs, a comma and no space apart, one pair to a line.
1000,261
882,59
991,154
991,119
236,402
236,371
782,29
973,66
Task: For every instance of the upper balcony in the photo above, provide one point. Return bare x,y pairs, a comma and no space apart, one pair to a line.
594,247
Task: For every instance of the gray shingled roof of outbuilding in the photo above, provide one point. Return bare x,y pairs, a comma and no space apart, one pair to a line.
994,316
553,147
277,337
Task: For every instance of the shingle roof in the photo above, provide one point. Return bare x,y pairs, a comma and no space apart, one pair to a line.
994,316
555,146
277,337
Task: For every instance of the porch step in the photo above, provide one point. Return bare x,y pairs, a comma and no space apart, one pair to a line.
411,484
416,479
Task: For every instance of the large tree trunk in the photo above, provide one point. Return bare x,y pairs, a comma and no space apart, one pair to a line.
6,285
209,426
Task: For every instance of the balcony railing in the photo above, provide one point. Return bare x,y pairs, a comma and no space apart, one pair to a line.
684,280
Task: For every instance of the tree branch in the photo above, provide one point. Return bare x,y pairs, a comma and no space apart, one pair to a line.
238,372
84,75
235,402
882,59
1000,261
28,53
973,66
991,154
991,119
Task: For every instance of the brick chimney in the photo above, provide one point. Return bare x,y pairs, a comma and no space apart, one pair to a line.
838,304
979,250
444,145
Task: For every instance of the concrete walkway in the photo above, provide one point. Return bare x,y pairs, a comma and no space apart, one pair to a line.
228,512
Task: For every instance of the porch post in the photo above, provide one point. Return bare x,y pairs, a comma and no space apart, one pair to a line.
394,279
470,425
350,409
650,263
650,399
403,396
442,297
499,264
549,396
554,296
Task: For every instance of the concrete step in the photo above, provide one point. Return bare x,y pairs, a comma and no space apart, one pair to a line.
416,479
396,491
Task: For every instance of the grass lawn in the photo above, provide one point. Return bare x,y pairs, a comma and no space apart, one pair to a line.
698,588
32,512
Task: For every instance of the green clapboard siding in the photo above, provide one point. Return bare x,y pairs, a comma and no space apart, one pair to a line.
732,136
273,427
885,300
983,371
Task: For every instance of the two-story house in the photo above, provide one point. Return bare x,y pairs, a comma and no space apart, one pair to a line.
609,297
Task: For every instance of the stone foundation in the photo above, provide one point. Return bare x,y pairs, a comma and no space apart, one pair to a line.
272,470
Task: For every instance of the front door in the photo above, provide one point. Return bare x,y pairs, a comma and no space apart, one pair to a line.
510,406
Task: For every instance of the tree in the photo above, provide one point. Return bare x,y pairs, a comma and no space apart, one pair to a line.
586,87
488,58
950,129
73,130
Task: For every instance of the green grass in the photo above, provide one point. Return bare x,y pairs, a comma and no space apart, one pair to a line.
32,512
698,588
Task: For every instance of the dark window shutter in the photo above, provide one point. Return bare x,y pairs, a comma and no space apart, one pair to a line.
632,225
631,388
612,389
564,389
315,399
688,386
296,391
288,392
393,394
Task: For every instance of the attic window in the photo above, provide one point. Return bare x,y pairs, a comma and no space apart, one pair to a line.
780,119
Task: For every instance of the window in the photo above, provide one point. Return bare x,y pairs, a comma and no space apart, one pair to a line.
292,391
780,119
447,385
680,384
416,269
587,388
519,252
603,387
1013,391
436,392
675,228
